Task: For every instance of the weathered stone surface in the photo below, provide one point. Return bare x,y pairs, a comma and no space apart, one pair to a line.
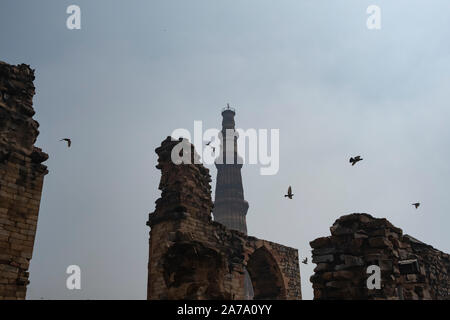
343,274
193,257
324,251
321,267
325,258
21,178
320,243
410,269
351,261
379,242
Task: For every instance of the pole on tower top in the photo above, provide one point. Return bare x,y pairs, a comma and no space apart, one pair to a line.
228,108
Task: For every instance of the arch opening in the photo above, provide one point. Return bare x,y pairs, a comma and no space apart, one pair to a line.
265,276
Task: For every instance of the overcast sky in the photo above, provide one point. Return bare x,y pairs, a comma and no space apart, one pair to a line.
139,69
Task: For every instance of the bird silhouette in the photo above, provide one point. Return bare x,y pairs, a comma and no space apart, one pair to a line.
417,204
354,160
69,142
305,261
208,143
289,193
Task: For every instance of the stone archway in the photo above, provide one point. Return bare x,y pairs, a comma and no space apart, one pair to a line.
266,277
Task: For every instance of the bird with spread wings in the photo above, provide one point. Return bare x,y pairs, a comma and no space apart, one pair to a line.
69,142
289,193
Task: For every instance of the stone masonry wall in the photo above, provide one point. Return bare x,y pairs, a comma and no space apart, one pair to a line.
193,257
21,178
410,269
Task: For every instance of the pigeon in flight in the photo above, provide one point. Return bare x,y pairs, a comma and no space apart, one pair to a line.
208,144
417,204
69,142
354,160
289,193
305,261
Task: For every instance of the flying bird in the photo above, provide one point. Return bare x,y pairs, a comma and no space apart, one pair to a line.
208,143
305,261
289,193
69,142
417,204
354,160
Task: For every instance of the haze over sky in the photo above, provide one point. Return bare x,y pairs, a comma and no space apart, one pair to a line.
139,69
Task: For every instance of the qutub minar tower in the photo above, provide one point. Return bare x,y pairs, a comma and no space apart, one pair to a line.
230,207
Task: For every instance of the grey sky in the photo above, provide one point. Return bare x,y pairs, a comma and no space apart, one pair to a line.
137,70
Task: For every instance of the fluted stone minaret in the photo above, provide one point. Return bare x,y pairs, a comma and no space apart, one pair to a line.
230,208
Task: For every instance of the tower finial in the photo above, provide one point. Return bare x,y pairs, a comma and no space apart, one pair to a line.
228,108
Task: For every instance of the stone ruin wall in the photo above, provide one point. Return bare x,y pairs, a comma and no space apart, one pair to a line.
410,269
193,257
21,178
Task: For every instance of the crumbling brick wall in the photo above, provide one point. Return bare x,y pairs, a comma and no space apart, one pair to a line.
410,269
434,270
21,178
193,257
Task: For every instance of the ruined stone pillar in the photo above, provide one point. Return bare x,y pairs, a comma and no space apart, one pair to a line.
21,178
185,193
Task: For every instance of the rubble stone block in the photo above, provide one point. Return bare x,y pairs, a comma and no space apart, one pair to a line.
320,243
377,242
324,258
